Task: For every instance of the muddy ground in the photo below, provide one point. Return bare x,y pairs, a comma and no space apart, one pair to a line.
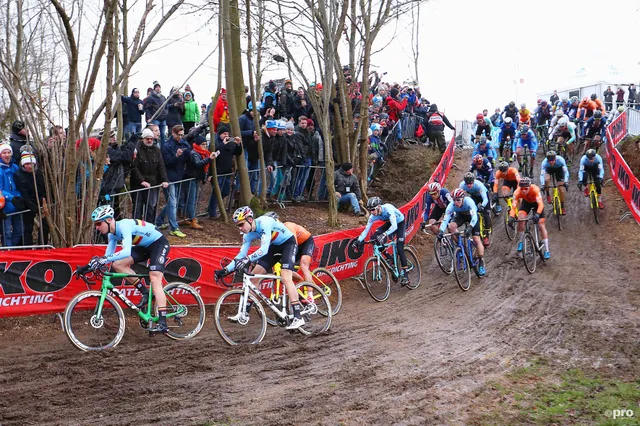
419,358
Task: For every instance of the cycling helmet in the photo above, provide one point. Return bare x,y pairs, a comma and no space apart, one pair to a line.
585,99
512,104
565,100
503,167
477,159
523,105
620,108
483,140
102,213
594,96
525,182
575,99
591,153
544,103
524,128
272,215
373,203
563,122
375,126
597,114
559,113
508,120
242,214
539,101
469,178
458,193
434,187
480,116
551,155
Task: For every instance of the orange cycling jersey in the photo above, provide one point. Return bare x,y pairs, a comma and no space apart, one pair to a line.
599,105
533,196
510,175
301,234
525,115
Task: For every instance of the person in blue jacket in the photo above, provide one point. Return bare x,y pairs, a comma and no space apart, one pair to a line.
554,165
478,193
484,149
438,198
135,111
12,226
525,137
591,165
508,130
594,129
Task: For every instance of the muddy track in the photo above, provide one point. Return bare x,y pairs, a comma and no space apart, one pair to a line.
410,360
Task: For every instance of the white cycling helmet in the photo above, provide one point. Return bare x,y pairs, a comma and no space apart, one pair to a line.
508,120
563,121
102,213
559,113
523,105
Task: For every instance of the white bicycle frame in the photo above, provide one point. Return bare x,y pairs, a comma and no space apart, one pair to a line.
247,286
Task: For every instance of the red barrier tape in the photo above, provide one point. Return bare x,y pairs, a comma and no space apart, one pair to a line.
621,174
41,281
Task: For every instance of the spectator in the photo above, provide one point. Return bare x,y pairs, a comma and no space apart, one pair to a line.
175,109
249,141
608,98
619,97
187,88
203,114
302,139
632,95
269,98
19,138
155,103
554,97
118,163
221,113
287,96
268,134
496,118
191,116
12,226
301,105
201,159
175,154
147,171
436,121
134,112
279,158
30,183
317,159
348,189
228,148
295,157
395,109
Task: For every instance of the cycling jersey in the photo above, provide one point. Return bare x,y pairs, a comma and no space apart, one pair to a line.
442,201
487,151
586,164
511,112
478,190
543,115
486,126
388,214
529,139
269,231
300,233
566,132
585,109
525,115
511,175
592,129
467,209
531,197
131,232
559,165
485,170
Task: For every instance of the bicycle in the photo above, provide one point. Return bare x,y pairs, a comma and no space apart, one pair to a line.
103,317
594,198
557,205
486,232
464,258
531,245
443,253
543,133
321,277
510,229
378,267
525,167
507,153
244,304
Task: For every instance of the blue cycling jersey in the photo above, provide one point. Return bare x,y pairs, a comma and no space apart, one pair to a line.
477,189
389,214
559,164
443,201
529,139
487,151
130,232
585,163
485,171
591,125
468,207
268,231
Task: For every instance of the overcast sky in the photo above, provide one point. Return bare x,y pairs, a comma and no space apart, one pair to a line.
471,52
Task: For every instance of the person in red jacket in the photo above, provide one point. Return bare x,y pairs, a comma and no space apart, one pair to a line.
395,108
221,112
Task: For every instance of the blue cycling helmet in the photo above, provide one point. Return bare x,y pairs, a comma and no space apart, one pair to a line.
102,213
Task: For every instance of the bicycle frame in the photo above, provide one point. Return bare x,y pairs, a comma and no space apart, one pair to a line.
466,244
247,286
378,251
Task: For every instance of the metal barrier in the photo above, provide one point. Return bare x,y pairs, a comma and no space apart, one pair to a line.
633,122
18,229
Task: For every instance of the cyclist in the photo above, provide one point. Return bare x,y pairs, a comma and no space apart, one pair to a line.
543,116
591,164
440,198
484,149
140,241
511,111
529,197
394,224
594,129
556,116
526,137
510,178
555,164
586,108
478,193
483,125
275,239
463,211
565,132
573,108
565,105
598,102
483,170
525,115
508,130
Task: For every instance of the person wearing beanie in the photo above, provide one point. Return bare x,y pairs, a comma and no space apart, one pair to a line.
201,159
133,110
147,171
249,141
221,112
175,109
18,138
435,122
30,182
155,112
229,148
191,113
287,96
347,189
302,138
12,227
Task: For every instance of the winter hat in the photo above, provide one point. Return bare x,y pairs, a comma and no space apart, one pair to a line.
271,124
147,133
287,81
433,108
281,125
188,93
27,157
375,126
203,105
223,90
289,125
347,166
135,89
4,146
155,83
394,92
223,128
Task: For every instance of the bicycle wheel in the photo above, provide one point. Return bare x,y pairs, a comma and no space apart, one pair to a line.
316,308
249,329
462,271
444,255
376,279
529,253
190,313
594,205
86,330
413,267
509,229
324,279
557,209
270,316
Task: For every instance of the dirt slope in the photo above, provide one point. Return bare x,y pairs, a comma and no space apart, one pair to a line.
413,360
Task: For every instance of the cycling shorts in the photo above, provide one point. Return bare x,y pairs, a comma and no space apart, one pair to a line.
156,253
480,130
526,206
593,132
461,219
436,212
557,172
594,171
284,253
512,184
306,249
504,135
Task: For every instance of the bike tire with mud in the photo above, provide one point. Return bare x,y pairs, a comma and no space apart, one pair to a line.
237,333
376,279
557,209
413,266
461,269
82,327
324,279
444,255
529,253
191,312
594,206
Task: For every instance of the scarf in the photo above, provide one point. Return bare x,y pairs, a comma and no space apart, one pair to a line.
204,153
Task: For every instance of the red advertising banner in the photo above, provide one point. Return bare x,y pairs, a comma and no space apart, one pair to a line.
617,129
41,281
